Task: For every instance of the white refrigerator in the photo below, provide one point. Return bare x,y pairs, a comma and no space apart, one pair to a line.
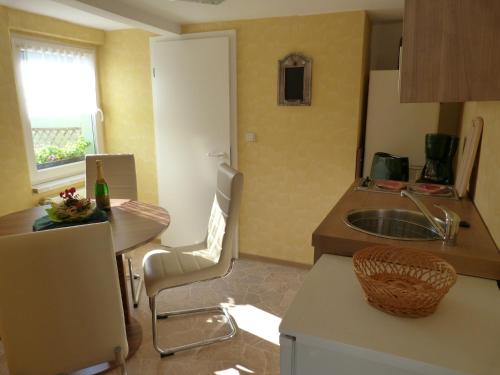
394,127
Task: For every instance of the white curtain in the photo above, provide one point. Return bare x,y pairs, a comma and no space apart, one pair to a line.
57,81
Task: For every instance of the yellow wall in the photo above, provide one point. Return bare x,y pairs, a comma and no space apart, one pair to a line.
52,27
127,103
487,196
304,158
15,191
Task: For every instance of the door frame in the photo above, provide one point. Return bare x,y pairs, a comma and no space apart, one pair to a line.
233,126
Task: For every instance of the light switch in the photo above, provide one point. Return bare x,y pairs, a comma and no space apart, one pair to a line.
250,137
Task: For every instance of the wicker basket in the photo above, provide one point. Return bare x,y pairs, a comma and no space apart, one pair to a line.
403,282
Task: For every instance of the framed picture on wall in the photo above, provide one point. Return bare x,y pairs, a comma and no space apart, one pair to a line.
294,80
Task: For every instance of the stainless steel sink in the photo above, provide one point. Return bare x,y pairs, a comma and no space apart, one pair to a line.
392,223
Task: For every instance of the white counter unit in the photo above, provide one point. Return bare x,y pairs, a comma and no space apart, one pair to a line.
330,329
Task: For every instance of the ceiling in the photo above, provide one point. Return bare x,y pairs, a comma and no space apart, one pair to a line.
187,12
182,12
64,12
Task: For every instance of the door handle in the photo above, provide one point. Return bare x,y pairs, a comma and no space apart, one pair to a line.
216,154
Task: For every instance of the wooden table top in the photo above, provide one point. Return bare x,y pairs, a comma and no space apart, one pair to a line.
132,223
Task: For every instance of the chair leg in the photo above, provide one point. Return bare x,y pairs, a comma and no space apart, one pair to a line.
119,359
170,351
135,289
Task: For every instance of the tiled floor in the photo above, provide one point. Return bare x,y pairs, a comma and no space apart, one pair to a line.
257,295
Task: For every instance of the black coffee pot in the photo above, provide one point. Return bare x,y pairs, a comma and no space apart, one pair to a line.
440,150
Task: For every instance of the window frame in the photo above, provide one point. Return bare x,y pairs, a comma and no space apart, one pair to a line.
61,171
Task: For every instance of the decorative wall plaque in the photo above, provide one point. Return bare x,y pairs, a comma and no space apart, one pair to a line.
294,80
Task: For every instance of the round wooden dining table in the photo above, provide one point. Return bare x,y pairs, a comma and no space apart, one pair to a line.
133,224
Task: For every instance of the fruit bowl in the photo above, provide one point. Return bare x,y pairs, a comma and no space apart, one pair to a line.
71,209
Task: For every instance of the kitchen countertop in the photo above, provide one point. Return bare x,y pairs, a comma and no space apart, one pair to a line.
475,253
330,312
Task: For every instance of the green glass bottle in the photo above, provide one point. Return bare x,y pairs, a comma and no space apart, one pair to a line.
101,189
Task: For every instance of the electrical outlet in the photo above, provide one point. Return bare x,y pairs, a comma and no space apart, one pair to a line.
250,137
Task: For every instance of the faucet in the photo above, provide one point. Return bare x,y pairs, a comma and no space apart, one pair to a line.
447,230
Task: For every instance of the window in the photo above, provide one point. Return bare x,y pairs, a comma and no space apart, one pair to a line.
58,101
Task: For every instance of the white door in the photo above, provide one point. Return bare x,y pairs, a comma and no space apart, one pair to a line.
192,91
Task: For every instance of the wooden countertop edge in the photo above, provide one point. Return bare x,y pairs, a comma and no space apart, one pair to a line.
334,237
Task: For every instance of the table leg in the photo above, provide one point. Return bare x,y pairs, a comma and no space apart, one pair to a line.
134,329
123,287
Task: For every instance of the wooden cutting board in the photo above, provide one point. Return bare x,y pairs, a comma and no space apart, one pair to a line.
469,154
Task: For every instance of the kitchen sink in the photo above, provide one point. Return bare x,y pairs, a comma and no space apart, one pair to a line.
394,224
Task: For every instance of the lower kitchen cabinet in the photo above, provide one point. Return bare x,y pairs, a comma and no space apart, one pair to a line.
330,329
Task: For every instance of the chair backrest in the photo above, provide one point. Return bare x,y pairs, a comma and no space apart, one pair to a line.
224,215
119,172
60,301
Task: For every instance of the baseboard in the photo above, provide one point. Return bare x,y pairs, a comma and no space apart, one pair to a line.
276,261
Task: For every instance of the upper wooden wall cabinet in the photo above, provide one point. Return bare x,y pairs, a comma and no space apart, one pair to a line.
451,51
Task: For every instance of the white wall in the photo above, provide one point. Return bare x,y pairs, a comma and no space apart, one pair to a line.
394,127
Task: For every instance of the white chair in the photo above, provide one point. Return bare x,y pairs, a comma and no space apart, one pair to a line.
213,258
54,318
119,173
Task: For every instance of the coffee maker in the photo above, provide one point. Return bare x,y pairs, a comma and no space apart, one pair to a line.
440,150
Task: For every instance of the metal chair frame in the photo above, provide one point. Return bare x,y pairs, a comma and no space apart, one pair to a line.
135,288
164,315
